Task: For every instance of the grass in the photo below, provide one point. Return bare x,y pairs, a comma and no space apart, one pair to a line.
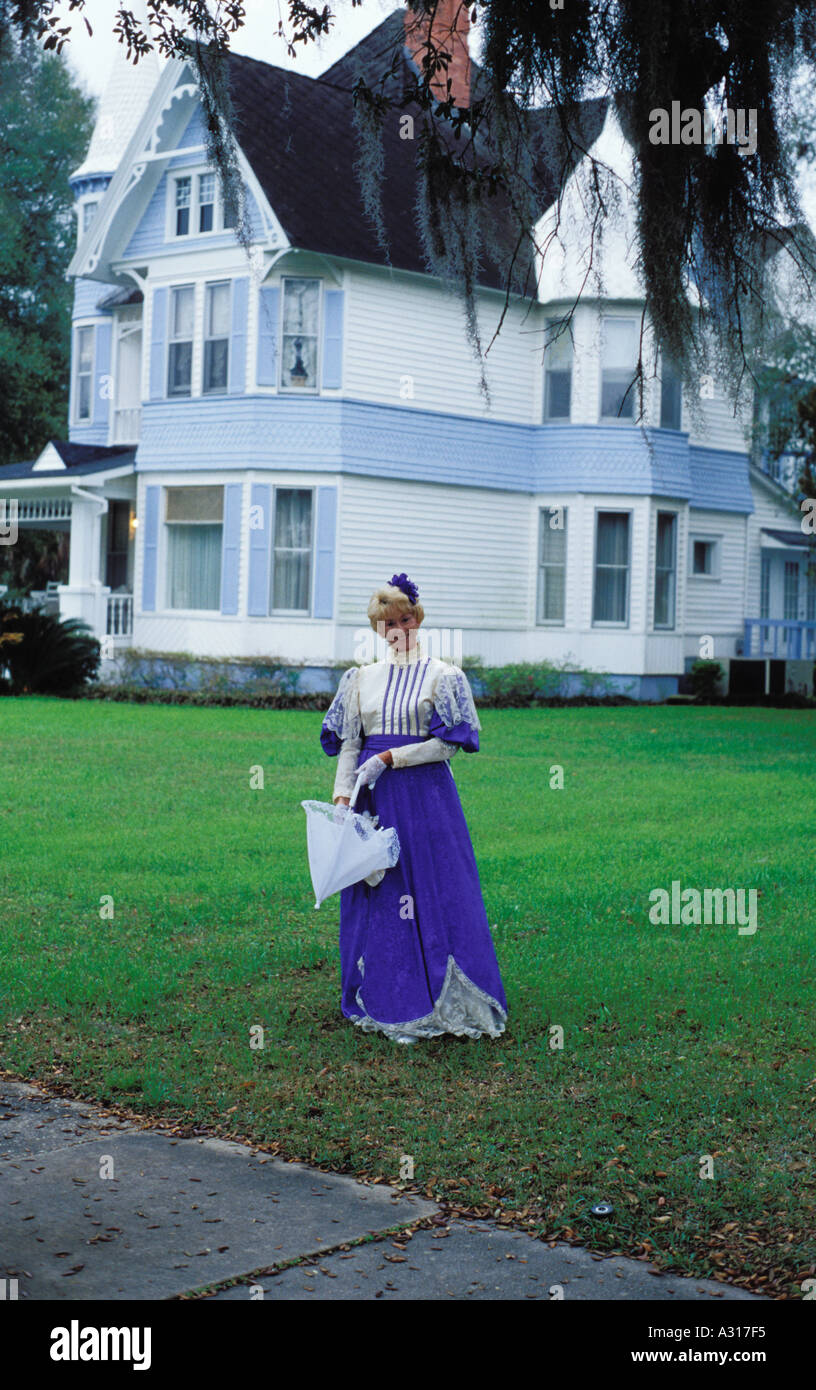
679,1042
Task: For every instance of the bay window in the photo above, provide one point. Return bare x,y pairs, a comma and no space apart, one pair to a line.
619,354
558,375
292,551
83,373
612,560
180,345
552,565
665,570
671,396
216,337
194,526
301,316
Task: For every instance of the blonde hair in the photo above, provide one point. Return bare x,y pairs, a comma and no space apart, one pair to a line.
388,599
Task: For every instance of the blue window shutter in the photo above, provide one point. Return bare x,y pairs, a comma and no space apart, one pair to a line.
231,554
268,313
151,549
333,338
260,515
102,394
238,336
158,334
323,606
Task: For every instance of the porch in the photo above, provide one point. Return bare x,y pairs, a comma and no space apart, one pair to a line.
71,524
784,638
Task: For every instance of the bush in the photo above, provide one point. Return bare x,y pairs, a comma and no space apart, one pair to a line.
531,682
705,679
41,654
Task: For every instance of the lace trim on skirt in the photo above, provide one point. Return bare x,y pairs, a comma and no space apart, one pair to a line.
462,1009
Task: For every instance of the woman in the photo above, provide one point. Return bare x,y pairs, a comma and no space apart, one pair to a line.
416,954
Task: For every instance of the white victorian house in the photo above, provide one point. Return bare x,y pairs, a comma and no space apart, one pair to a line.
253,446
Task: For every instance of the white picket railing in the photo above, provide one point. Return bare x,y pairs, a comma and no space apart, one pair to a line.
120,615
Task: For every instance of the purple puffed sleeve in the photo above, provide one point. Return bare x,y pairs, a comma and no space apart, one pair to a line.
454,718
342,718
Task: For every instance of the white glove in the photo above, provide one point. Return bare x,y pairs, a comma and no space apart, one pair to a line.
368,773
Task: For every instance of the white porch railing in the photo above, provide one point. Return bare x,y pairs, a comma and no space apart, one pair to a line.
120,615
126,425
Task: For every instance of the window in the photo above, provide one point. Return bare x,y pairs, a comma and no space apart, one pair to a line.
611,598
552,564
790,592
619,362
206,202
194,518
765,587
216,337
671,397
292,557
84,373
301,312
88,214
665,569
705,557
180,346
558,375
195,206
811,594
184,194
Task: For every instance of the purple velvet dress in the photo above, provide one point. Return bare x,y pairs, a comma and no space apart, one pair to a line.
416,954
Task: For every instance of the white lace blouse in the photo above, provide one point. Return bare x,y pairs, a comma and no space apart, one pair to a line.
404,694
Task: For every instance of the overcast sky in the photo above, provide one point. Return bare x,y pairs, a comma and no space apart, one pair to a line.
91,58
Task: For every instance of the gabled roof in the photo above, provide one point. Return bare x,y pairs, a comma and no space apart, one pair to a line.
74,461
299,136
300,140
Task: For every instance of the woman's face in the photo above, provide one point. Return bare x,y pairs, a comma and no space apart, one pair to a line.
400,630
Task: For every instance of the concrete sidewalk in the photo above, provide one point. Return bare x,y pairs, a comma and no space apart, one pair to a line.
98,1208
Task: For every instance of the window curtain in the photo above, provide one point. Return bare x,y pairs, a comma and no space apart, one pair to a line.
612,568
194,566
293,549
552,567
194,545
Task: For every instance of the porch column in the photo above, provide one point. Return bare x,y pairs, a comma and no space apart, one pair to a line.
85,596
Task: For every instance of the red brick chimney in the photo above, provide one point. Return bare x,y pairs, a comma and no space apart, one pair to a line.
448,26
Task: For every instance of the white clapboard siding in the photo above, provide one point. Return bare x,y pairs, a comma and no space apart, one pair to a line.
401,327
717,605
716,427
466,549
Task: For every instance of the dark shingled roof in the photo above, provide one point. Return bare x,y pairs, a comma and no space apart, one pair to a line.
79,459
300,138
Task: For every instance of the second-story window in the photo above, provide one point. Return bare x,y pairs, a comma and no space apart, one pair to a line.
184,194
88,214
618,364
84,373
216,337
301,314
558,375
180,346
671,396
206,202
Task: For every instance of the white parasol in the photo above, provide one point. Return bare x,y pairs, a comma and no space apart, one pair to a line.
345,847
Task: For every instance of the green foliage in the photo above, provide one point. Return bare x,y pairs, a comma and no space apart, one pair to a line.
46,655
45,126
530,682
706,678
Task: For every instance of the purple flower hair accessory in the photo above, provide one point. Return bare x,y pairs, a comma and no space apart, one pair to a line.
401,581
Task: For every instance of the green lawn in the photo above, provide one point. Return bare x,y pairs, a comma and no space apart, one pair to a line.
679,1041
